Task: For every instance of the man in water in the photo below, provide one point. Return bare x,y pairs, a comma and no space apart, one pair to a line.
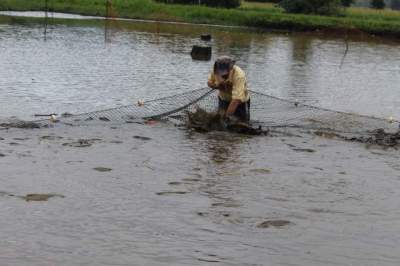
230,81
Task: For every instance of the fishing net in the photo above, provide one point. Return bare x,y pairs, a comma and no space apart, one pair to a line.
266,111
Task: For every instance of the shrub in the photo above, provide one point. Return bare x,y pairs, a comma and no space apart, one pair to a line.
212,3
347,3
395,4
378,4
319,7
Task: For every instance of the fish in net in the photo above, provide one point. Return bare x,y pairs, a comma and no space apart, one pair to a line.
266,111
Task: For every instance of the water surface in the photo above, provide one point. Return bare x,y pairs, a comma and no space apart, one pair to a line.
82,65
176,197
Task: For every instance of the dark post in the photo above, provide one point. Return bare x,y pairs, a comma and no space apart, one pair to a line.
46,15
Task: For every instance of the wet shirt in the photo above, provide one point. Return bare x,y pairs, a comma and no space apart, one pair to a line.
236,85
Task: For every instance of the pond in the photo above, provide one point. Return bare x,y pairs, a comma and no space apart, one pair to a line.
80,66
156,194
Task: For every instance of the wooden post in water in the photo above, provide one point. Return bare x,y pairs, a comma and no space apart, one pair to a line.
46,16
107,16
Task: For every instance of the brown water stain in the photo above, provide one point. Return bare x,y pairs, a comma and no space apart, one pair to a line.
40,197
261,171
234,173
325,134
273,223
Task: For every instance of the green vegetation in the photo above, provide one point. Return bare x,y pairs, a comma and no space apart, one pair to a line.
261,15
316,7
213,3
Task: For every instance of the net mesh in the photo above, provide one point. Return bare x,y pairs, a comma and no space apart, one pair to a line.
267,111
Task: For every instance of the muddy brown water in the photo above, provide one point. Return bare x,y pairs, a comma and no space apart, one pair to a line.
176,196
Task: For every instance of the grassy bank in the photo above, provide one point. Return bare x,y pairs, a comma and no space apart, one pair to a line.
267,16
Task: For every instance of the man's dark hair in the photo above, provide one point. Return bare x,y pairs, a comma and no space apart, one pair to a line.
223,63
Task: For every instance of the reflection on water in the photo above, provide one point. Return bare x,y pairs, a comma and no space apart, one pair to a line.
76,71
300,69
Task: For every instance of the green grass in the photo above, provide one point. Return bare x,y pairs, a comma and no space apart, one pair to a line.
261,15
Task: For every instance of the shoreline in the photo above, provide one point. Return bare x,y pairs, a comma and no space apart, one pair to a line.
353,34
265,18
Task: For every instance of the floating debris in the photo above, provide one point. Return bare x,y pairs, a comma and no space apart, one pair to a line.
304,150
174,183
40,197
66,115
50,138
163,193
202,53
379,137
102,169
53,119
14,143
207,260
273,223
105,119
81,143
189,179
206,37
261,171
326,134
150,122
142,138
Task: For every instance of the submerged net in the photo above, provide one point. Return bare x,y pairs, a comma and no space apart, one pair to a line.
266,110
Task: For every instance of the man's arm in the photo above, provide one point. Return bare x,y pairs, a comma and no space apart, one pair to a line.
212,81
232,107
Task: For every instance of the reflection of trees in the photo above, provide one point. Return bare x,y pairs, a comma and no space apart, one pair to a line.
239,45
179,39
300,67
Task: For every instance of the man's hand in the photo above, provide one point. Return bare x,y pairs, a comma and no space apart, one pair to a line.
224,86
212,85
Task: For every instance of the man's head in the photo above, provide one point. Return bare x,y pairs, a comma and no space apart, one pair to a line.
222,67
